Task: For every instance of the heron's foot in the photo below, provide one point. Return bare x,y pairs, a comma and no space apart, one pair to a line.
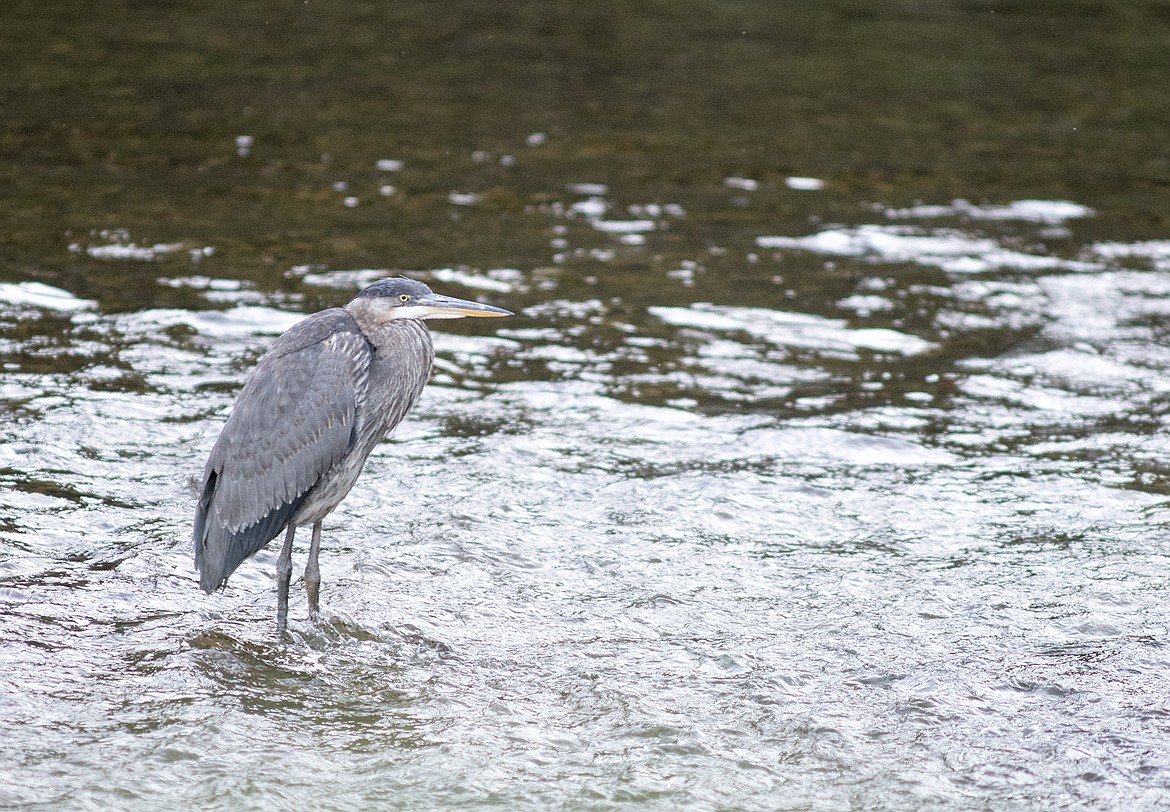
283,576
313,590
313,575
282,610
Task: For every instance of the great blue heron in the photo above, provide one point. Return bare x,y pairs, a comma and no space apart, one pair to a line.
309,415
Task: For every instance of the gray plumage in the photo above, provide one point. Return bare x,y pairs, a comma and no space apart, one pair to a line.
322,398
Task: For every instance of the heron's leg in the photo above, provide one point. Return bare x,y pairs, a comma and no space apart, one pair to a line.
313,573
283,576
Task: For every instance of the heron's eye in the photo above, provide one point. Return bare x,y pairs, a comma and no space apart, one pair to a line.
404,297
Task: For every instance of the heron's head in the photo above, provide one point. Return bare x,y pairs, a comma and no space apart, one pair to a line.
402,298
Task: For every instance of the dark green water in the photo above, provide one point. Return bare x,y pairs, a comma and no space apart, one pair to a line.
822,466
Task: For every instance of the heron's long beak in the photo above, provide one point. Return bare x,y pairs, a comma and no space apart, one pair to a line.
437,306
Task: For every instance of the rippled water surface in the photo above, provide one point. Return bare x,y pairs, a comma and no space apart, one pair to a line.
823,465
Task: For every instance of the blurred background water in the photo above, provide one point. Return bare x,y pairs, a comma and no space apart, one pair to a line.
823,466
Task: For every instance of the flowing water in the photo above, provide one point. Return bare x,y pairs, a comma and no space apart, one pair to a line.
823,466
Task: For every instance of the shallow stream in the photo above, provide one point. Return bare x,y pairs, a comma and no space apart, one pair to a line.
805,477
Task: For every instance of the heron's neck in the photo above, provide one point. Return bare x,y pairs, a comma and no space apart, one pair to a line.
372,316
388,334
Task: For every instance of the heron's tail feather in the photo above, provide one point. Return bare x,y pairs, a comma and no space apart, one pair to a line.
218,550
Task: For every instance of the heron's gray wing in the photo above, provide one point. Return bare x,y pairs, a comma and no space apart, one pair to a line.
295,418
